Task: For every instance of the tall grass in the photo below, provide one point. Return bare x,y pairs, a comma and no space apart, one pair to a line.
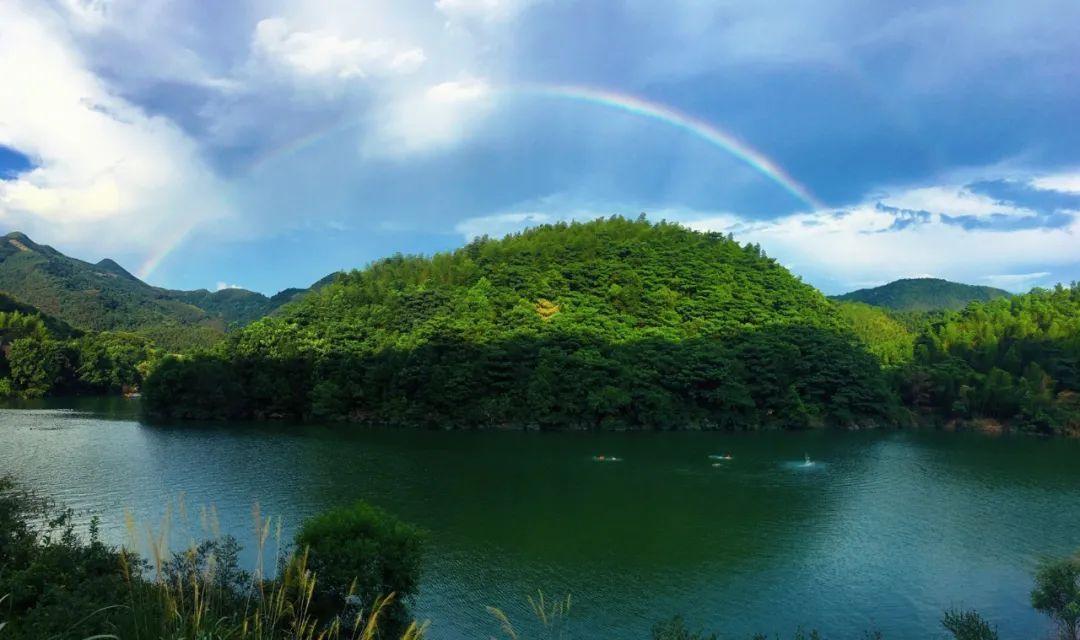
551,614
98,592
202,594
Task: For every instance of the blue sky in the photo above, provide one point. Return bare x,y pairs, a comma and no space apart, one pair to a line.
265,144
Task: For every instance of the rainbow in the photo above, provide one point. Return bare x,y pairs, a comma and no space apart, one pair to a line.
168,244
299,143
700,129
697,127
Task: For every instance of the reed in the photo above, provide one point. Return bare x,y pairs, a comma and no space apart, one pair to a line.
56,584
201,594
551,614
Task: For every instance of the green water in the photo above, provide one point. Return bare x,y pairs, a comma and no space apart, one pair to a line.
882,532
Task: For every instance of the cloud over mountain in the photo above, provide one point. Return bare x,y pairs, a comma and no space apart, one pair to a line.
233,136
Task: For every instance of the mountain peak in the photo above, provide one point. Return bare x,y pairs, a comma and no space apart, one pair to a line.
20,241
111,266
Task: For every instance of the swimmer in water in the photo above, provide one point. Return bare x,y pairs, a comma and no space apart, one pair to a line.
807,462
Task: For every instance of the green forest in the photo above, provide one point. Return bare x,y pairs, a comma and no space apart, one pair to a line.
1013,360
40,355
609,324
612,324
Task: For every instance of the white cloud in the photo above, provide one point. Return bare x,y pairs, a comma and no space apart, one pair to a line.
864,244
431,118
448,93
1016,281
221,286
325,54
501,224
1065,182
954,201
554,208
105,173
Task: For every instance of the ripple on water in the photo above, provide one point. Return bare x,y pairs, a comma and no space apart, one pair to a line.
883,529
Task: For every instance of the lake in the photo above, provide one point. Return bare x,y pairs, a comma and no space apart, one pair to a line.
883,531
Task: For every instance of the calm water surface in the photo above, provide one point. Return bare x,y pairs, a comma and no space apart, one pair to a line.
882,532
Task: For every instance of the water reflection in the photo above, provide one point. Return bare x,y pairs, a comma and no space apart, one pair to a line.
882,530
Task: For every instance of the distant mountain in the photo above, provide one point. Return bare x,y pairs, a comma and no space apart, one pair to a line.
924,294
238,306
105,296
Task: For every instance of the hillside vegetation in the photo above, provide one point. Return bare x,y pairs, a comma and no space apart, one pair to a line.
105,297
608,324
1012,360
888,337
611,324
40,355
924,294
55,326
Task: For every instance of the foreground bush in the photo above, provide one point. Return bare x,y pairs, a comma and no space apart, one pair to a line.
49,577
1057,594
55,585
363,552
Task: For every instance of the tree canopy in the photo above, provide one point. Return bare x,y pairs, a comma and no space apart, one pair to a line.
609,324
1015,359
613,323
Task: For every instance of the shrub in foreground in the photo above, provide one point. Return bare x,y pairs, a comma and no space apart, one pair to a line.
1057,594
56,585
362,553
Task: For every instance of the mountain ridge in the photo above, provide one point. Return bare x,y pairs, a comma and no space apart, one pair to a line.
105,296
91,296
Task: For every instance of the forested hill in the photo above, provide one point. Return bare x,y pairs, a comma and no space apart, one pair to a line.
924,294
616,277
612,324
54,326
1015,361
104,296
